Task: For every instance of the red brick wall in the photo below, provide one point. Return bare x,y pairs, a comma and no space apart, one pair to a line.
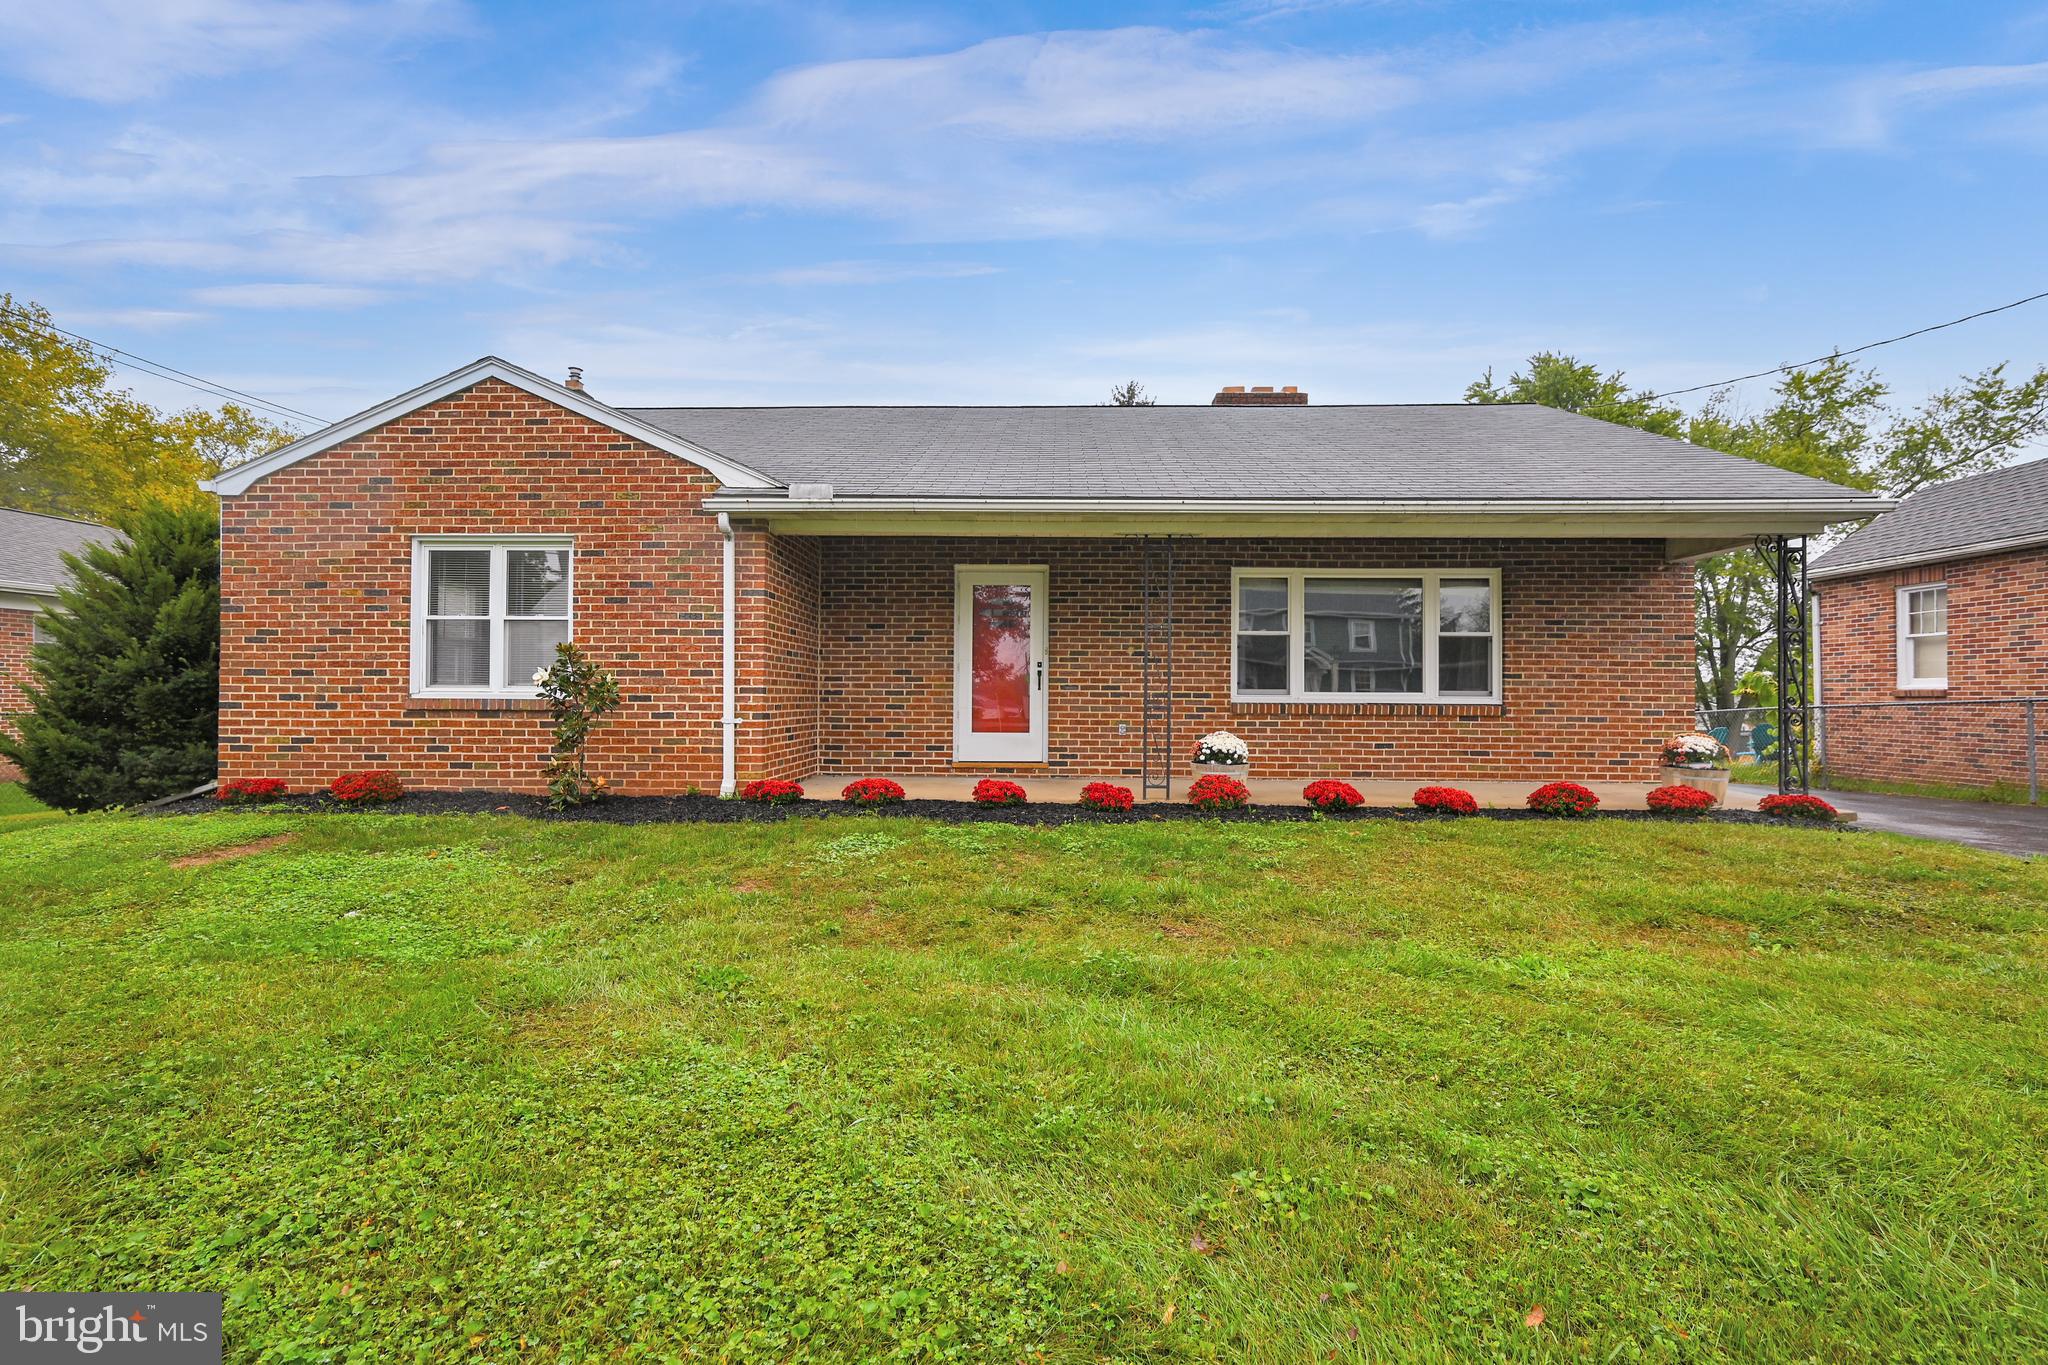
1997,648
779,580
17,634
1597,648
316,583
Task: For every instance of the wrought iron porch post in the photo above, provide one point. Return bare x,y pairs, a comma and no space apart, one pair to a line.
1793,625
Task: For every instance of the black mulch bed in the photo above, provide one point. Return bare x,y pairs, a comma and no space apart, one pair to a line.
661,810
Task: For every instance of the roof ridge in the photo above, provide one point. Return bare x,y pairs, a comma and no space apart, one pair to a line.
57,516
1049,407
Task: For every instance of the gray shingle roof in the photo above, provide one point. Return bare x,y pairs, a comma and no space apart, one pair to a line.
31,543
1433,452
2004,505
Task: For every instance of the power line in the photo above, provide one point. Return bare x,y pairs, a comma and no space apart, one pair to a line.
1867,346
160,370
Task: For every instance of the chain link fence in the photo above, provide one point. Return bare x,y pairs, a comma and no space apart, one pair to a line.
1979,747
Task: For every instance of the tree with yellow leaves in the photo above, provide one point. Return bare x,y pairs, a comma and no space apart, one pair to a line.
74,445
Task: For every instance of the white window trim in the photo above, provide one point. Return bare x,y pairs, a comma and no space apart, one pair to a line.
1904,612
1432,581
500,685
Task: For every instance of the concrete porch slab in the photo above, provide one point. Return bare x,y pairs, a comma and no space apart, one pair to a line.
1265,791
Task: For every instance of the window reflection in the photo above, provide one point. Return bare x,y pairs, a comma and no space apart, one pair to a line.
1362,635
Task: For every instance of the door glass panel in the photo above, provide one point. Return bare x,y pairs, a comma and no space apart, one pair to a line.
1000,631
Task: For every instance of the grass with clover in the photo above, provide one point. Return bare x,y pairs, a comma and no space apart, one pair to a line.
474,1088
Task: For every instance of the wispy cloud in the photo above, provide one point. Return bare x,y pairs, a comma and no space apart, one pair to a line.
1869,107
112,51
139,319
1133,133
288,296
1140,84
872,272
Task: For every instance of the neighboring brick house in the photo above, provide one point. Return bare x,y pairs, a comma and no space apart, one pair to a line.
1426,592
32,550
1943,600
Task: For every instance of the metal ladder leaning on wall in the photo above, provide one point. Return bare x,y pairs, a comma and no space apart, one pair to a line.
1155,644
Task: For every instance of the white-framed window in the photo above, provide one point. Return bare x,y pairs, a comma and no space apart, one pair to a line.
1923,635
1330,635
487,611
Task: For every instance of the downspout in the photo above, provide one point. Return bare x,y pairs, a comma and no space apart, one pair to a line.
729,713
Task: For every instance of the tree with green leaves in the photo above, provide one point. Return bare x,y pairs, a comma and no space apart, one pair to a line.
124,708
1828,420
74,445
1562,381
1129,394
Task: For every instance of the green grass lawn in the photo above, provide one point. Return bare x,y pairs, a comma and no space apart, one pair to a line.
15,801
471,1088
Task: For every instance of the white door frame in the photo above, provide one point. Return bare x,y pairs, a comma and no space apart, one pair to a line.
969,747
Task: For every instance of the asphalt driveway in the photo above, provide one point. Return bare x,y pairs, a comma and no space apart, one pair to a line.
2018,830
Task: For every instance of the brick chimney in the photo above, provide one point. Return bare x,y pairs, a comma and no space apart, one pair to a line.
575,379
1258,396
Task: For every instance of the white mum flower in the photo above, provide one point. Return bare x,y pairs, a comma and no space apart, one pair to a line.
1222,747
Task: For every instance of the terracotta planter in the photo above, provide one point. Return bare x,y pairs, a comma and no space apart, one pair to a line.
1713,781
1241,771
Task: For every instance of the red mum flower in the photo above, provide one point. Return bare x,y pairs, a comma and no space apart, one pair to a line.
377,784
1445,800
1682,800
772,791
993,791
1330,794
872,791
250,789
1797,807
1217,792
1106,796
1563,798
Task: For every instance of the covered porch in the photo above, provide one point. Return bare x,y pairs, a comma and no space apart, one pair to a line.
1492,650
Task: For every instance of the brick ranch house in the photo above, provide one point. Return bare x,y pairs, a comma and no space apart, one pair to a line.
32,550
1427,592
1943,600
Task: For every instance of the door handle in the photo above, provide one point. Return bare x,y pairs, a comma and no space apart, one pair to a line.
1041,675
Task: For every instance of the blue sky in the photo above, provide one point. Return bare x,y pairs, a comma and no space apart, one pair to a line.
329,202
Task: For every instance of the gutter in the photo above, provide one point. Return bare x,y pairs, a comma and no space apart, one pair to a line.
1976,551
729,719
1837,508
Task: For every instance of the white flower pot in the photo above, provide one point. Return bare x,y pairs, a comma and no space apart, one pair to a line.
1713,781
1240,771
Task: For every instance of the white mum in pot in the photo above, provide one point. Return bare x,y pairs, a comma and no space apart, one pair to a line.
1222,752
